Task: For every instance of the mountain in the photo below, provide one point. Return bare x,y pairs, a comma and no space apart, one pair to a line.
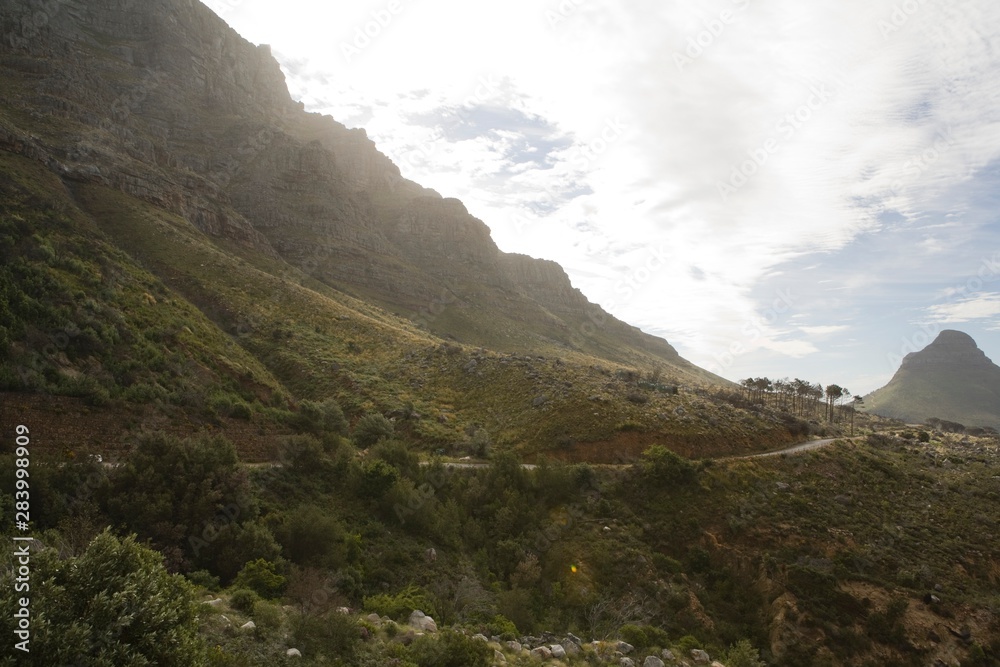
184,241
950,379
165,103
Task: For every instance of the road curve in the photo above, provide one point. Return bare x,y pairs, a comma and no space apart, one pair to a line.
794,449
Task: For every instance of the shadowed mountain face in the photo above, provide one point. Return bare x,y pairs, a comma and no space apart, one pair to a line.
163,101
949,379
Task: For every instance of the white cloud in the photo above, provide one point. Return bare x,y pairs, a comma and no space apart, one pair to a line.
966,310
863,121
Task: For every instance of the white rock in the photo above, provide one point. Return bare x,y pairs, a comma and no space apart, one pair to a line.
626,662
213,603
557,651
422,621
652,661
293,653
248,626
514,646
480,637
700,657
499,658
343,610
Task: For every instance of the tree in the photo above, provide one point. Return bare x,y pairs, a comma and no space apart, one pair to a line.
115,604
372,428
858,402
833,394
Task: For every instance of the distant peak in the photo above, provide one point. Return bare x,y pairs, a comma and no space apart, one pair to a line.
953,338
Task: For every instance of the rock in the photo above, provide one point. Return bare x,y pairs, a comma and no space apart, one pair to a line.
668,655
572,648
573,638
213,603
514,646
539,401
249,626
343,610
225,619
626,662
700,657
625,647
652,661
431,555
293,653
716,663
481,637
782,486
374,619
499,658
541,653
557,651
422,621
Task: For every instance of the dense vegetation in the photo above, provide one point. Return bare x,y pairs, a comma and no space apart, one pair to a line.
826,558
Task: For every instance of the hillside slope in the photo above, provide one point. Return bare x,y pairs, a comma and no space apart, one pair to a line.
950,379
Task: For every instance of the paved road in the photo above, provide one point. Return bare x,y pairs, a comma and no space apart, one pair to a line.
794,449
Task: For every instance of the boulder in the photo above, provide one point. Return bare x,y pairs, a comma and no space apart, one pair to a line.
514,646
374,619
249,626
422,621
541,653
625,647
557,651
668,655
626,662
499,658
213,603
652,661
700,657
293,653
480,637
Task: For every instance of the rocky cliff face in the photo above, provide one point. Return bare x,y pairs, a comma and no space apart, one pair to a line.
162,100
949,379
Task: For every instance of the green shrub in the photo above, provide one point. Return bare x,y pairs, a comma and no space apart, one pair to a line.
244,600
204,578
663,466
743,654
260,577
371,428
399,606
450,649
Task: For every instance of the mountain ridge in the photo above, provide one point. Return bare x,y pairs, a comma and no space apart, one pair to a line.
231,152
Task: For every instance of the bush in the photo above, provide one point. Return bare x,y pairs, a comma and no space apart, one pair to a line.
644,636
450,649
205,579
322,416
666,467
372,428
260,577
115,604
244,600
743,654
399,606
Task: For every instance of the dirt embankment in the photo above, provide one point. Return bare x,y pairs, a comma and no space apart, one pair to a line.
70,428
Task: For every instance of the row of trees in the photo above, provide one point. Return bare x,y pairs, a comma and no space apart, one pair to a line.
799,397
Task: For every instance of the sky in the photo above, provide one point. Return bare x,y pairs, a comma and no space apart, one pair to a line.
777,188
